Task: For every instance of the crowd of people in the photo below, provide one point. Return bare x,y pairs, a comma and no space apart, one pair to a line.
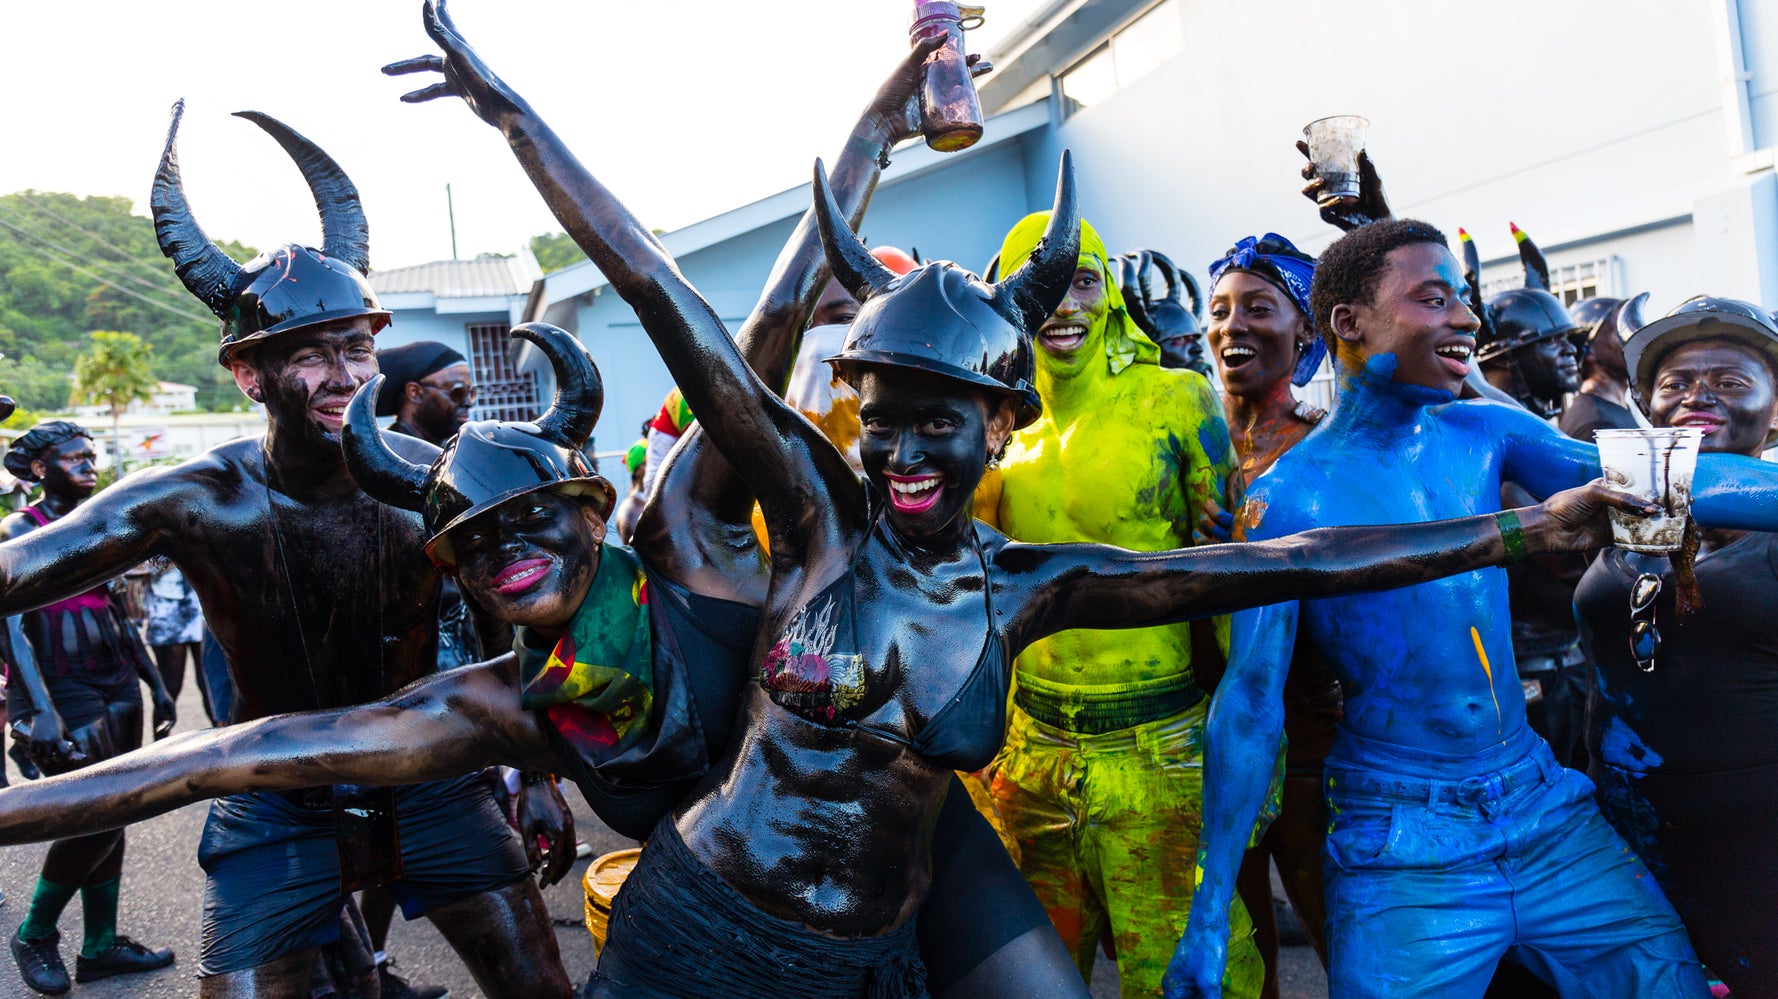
952,629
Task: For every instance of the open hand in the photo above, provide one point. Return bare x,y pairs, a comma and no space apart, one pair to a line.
465,75
544,817
1347,214
1575,520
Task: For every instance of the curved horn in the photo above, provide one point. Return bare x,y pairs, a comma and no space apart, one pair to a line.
1028,296
1629,317
853,267
580,392
1170,272
1130,281
207,272
991,273
1537,270
345,235
1195,293
385,476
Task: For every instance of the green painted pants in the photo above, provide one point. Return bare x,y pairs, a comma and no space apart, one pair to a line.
1108,827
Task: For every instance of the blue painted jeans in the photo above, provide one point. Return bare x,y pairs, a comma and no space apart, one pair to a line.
1437,867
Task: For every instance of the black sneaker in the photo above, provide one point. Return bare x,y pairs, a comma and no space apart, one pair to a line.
397,987
125,957
40,963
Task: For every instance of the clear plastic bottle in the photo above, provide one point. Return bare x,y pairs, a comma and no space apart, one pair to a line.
950,111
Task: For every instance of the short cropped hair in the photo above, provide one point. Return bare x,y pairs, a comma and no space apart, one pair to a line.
1347,272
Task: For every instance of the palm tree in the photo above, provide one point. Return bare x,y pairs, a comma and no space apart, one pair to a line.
115,372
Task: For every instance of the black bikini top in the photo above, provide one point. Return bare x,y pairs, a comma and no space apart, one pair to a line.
815,671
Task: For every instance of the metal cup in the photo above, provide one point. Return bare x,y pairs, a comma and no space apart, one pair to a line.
1334,144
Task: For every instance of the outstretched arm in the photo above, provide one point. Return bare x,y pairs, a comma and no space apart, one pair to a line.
703,486
1242,736
447,724
99,540
1729,491
782,459
1097,586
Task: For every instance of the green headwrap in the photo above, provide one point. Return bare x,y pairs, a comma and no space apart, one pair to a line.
1125,344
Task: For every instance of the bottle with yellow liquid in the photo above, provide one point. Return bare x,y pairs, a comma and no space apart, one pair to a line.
950,111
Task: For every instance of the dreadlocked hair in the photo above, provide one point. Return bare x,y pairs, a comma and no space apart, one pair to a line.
1347,272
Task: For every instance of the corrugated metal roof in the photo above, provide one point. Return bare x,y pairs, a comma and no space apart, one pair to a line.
479,278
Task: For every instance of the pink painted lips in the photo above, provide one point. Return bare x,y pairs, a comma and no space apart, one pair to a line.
1703,421
521,575
913,493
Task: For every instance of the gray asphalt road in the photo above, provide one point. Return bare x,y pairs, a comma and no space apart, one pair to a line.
162,903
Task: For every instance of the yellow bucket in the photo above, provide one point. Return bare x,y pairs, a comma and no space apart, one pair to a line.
604,876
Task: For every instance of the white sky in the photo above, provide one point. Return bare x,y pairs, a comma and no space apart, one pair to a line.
685,108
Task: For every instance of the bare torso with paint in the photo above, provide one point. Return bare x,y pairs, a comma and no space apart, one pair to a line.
1128,462
1427,666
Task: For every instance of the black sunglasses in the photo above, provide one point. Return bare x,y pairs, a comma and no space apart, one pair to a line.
1645,638
462,393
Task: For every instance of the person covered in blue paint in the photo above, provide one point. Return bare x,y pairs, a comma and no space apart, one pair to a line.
1682,727
1456,837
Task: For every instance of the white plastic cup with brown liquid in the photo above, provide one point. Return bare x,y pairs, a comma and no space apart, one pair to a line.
1334,144
1656,464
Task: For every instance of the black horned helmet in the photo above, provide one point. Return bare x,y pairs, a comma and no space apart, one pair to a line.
940,318
489,461
1528,315
1165,314
284,289
1701,317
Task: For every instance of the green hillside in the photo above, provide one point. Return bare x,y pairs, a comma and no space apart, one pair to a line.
70,265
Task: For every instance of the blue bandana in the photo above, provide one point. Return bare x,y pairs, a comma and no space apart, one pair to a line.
1276,260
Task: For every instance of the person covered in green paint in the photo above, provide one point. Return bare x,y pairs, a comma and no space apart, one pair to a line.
1099,780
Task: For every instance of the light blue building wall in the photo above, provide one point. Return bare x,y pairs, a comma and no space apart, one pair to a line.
923,203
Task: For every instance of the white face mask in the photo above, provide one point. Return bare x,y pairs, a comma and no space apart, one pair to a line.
817,392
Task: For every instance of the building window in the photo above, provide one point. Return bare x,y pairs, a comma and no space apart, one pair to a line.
1571,283
1127,56
502,391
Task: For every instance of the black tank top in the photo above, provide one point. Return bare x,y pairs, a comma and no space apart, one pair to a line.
1711,703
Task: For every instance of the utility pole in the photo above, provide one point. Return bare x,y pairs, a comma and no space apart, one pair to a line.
451,209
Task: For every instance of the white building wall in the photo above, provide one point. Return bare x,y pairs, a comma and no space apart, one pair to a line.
1572,119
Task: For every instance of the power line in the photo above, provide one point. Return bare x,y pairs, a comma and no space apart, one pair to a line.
71,265
113,268
123,255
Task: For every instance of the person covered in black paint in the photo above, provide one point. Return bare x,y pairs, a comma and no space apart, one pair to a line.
1599,403
1687,701
74,693
319,597
984,935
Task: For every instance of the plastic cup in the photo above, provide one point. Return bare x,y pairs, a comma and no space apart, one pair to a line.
1656,464
1334,144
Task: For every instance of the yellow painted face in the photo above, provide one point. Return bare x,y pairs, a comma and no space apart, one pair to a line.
1075,332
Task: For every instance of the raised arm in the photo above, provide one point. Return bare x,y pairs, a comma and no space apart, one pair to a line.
1241,739
781,458
1097,586
678,532
449,723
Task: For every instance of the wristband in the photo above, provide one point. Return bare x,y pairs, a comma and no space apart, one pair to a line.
869,147
1512,534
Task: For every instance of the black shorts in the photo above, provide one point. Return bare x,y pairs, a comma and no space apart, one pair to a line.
272,883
